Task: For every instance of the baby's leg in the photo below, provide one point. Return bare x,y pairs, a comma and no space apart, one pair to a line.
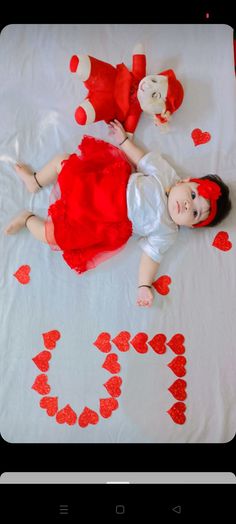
49,173
34,224
44,177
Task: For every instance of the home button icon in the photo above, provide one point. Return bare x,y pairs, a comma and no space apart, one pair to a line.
120,509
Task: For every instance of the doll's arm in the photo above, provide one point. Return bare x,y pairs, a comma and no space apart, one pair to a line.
139,62
139,72
132,118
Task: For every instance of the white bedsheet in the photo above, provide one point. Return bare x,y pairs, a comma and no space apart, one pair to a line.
38,97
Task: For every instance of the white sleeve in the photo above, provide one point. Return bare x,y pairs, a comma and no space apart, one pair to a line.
155,246
152,162
149,249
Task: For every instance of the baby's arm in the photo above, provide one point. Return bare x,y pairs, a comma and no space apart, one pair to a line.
147,271
133,152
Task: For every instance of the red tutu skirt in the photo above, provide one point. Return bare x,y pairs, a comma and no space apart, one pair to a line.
87,216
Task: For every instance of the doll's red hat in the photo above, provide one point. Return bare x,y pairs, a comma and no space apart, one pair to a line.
175,93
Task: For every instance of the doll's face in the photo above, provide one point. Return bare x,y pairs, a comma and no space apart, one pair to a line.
152,91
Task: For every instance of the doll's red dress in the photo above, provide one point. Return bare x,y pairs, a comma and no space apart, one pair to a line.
87,214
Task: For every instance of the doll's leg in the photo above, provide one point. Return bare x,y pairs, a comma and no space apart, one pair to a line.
42,178
94,109
34,224
81,65
85,113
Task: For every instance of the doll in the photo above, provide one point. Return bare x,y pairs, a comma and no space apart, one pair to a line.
117,93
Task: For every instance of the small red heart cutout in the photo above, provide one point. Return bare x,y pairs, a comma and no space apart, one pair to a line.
177,412
177,366
178,389
40,385
88,416
158,343
41,360
50,404
162,285
221,241
176,344
107,405
139,342
22,274
103,342
66,416
122,340
113,386
200,137
111,363
50,338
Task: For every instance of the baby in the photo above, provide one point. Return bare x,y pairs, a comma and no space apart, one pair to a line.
97,203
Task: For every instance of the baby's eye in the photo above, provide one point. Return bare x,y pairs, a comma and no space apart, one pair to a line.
193,194
154,81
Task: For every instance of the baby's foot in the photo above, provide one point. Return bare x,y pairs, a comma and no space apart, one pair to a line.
17,223
27,176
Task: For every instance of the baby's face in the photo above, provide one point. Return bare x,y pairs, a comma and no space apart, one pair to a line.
185,206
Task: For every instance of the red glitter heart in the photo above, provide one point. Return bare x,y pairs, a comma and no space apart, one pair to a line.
177,412
40,385
41,360
88,416
50,338
50,404
111,363
113,386
177,366
176,344
103,342
107,405
199,137
66,416
161,285
178,389
122,340
158,343
139,342
221,241
22,274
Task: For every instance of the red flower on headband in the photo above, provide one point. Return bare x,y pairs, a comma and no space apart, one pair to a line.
208,189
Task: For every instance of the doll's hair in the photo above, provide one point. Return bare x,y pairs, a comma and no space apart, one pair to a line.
223,203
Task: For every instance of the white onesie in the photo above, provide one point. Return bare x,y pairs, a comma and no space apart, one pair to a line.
147,205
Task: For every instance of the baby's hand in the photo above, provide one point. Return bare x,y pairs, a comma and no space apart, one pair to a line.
145,297
118,131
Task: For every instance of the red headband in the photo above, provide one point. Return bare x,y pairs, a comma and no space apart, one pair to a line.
210,190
